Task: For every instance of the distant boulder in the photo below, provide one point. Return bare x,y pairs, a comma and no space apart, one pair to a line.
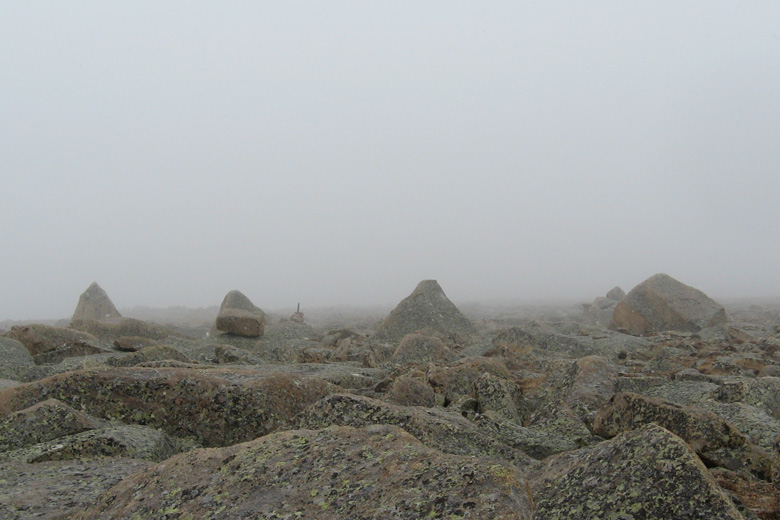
239,316
428,309
600,311
661,303
95,305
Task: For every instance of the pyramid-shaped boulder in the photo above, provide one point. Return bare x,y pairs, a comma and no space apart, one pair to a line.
95,305
239,316
661,303
427,309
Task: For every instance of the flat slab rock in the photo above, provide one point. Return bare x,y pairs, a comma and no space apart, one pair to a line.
336,473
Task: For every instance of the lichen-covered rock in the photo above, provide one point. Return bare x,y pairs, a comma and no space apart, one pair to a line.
13,352
95,305
336,473
499,396
763,392
427,308
74,349
662,303
230,355
181,402
434,427
417,348
44,421
755,499
534,442
410,391
588,384
39,338
132,327
239,316
701,429
648,473
458,380
125,440
59,489
132,343
146,354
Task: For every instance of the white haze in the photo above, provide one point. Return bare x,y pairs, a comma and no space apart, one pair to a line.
340,152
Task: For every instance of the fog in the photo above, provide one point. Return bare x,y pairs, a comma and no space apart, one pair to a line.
340,152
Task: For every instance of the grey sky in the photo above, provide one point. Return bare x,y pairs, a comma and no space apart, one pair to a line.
339,152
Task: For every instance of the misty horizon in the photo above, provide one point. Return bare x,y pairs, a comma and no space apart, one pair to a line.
338,154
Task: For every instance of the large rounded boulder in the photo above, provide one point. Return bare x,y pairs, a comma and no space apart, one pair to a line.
661,303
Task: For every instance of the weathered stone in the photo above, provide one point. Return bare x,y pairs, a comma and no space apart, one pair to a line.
13,352
701,429
59,489
497,395
181,402
45,421
125,327
662,303
132,343
649,473
95,305
38,338
336,473
239,316
427,308
434,427
73,349
616,294
416,348
458,380
411,391
146,354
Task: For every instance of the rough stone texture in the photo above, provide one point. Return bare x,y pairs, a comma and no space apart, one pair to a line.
644,474
45,421
74,349
538,443
125,327
453,382
661,303
181,402
38,338
95,305
147,354
701,429
124,440
336,473
416,348
13,352
588,384
132,343
499,396
434,427
427,308
59,489
239,316
411,391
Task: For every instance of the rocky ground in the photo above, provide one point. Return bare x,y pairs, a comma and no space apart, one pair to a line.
507,414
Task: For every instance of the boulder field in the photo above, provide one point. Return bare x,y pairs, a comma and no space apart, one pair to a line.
432,413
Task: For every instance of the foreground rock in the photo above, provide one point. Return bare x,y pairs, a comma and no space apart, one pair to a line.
435,427
644,474
59,489
336,473
426,310
239,316
40,339
181,402
95,305
661,303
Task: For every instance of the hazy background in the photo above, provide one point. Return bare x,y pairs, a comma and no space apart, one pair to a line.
340,152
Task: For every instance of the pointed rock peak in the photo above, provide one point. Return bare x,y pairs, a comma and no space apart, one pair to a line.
95,305
427,309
